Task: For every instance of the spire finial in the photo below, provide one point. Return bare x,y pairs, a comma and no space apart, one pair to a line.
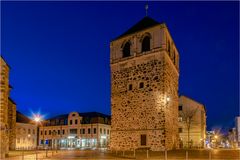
146,8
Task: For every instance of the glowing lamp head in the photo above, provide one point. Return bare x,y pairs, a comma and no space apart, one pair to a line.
37,118
168,99
215,136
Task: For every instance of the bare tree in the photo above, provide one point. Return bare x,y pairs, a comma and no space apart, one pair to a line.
187,115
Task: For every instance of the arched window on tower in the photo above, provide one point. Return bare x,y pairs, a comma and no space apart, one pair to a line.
146,44
126,49
168,47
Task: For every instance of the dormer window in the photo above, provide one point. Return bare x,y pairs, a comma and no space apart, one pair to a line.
146,44
126,49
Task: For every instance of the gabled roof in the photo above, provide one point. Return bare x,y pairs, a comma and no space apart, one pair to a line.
85,114
93,114
144,23
194,101
5,61
62,116
10,99
21,118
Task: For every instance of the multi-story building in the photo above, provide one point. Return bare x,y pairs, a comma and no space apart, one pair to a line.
232,138
7,111
237,125
144,88
76,130
26,133
192,123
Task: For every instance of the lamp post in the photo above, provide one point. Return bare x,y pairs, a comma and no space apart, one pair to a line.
37,118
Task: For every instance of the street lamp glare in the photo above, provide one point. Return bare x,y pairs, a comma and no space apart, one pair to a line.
215,136
168,99
37,118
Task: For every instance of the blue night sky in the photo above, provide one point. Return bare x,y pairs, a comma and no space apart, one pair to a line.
59,53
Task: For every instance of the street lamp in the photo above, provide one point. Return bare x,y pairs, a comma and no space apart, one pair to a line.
38,118
168,99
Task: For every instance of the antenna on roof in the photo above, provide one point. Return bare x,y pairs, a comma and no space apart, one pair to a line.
146,8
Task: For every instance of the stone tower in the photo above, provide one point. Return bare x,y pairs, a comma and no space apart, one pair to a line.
144,88
4,94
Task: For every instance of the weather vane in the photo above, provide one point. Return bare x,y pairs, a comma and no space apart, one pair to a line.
146,8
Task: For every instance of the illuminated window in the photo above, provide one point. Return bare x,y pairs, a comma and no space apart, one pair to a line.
179,119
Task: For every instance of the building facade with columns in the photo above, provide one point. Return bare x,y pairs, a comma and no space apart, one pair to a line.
76,130
192,123
144,88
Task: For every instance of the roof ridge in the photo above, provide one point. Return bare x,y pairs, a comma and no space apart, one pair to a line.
144,23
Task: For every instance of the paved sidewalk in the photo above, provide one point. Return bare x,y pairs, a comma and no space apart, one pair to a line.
31,155
217,154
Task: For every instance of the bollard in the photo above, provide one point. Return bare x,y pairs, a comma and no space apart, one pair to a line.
239,154
46,152
36,155
23,155
210,155
165,154
147,153
186,154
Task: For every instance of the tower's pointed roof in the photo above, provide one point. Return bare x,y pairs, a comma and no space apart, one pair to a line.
144,23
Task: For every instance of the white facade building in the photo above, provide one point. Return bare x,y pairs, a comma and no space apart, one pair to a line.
76,130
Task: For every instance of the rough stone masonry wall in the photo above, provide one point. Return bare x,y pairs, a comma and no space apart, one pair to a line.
144,110
171,89
4,93
12,124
